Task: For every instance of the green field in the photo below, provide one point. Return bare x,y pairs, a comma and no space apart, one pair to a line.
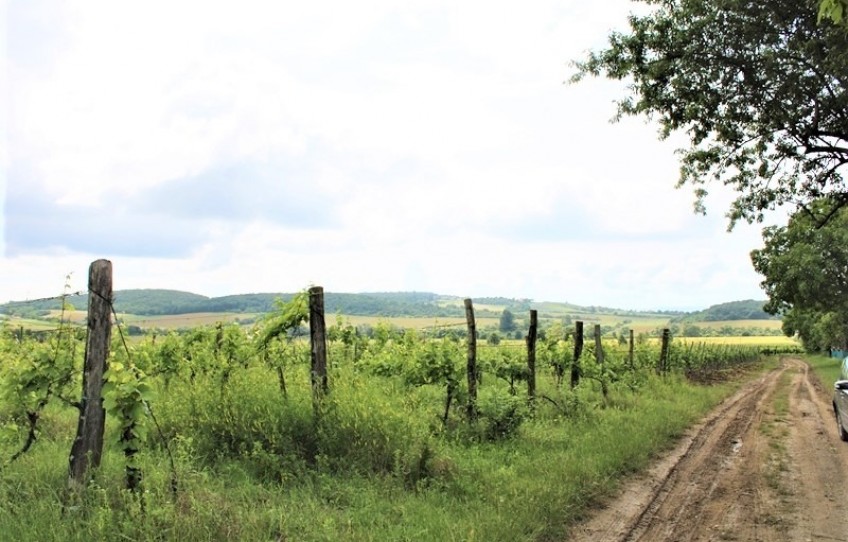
383,456
640,324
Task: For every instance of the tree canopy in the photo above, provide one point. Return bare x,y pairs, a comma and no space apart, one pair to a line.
758,87
507,322
806,277
748,309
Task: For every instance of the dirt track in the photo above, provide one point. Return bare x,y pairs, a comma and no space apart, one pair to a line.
766,465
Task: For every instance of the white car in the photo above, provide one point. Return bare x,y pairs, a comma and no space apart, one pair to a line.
840,401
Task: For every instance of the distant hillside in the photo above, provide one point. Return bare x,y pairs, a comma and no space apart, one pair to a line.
153,302
157,302
748,309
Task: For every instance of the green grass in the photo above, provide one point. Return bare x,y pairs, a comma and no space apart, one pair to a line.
826,368
530,487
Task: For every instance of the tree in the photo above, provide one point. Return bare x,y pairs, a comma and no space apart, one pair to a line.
759,87
507,323
806,277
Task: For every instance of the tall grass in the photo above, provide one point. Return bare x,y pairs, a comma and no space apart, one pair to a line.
254,465
386,455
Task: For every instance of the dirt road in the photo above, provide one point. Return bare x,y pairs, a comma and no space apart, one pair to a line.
766,465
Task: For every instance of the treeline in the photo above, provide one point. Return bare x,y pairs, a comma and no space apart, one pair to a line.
157,302
748,309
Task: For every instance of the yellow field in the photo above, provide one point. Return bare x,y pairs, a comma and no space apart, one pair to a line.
765,324
176,321
165,321
409,322
777,340
30,324
77,316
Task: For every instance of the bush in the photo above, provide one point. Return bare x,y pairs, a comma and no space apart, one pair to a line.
361,426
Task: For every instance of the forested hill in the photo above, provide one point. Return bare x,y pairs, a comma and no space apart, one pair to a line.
156,302
151,302
748,309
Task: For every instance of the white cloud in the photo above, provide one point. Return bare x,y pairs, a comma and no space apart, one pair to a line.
440,137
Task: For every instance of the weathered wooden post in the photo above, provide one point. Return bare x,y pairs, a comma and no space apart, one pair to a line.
87,448
318,338
578,351
471,366
599,359
599,349
531,357
663,365
630,352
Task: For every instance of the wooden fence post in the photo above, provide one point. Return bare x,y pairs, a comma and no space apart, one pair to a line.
630,353
599,358
578,351
471,366
87,447
531,357
663,365
318,338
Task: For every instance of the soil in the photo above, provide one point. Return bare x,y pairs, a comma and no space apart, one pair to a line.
766,465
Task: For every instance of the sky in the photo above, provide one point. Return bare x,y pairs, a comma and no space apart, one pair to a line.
428,145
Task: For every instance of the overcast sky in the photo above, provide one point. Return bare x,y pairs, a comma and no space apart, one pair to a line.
259,146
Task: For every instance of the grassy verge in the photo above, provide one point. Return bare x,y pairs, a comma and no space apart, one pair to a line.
531,486
826,368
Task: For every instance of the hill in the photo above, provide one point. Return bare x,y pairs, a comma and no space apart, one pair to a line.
748,309
159,302
155,302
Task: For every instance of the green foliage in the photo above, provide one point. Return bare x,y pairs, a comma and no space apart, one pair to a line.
834,10
805,270
257,466
758,87
362,427
507,364
501,414
33,374
286,319
748,309
126,396
507,322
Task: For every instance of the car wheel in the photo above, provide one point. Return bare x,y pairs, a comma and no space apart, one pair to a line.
842,433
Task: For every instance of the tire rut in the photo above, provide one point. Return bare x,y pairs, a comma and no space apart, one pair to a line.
765,465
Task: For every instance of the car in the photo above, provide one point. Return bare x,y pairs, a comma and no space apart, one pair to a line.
840,401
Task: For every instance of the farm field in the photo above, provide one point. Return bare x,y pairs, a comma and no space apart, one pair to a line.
409,322
638,324
765,324
763,340
391,452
